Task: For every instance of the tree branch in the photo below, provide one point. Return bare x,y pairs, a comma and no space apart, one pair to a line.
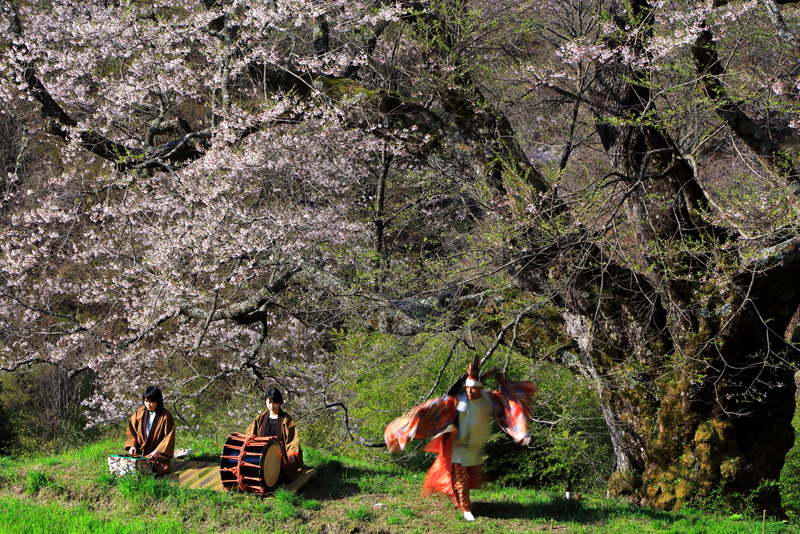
710,71
774,13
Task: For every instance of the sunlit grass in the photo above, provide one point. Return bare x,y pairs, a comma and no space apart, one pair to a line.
73,492
23,517
362,513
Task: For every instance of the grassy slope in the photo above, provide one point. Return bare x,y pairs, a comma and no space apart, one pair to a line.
72,492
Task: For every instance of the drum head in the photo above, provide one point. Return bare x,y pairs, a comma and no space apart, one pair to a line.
271,464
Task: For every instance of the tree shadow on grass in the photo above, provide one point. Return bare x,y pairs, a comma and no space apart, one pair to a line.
563,510
333,479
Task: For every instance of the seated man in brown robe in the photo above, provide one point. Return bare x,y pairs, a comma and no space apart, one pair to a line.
151,431
276,422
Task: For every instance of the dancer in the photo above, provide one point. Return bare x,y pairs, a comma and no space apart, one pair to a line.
461,424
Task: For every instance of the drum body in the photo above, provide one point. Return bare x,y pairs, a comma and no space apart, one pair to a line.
250,463
123,464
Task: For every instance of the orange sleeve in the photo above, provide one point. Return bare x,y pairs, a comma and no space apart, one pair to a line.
254,427
132,434
290,437
167,444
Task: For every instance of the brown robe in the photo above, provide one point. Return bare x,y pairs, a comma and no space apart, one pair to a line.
162,437
289,441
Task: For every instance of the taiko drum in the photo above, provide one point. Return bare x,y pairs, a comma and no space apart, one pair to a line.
250,463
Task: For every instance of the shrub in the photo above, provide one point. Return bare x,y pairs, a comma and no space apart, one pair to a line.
570,440
723,502
43,407
7,434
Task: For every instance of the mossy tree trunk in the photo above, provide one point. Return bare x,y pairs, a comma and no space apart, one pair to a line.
708,408
688,350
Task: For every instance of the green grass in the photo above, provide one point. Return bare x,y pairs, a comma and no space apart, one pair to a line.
73,492
37,480
288,497
22,517
408,512
362,513
311,504
7,470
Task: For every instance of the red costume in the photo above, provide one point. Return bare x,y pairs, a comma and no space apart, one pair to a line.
510,406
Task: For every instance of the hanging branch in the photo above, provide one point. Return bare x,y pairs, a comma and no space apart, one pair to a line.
502,333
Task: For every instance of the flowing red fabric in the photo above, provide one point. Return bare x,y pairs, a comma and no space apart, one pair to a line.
424,421
511,408
439,478
440,475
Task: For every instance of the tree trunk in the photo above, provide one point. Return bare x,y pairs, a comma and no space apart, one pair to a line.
691,369
710,410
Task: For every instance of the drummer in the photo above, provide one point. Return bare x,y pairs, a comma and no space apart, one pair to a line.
276,422
151,431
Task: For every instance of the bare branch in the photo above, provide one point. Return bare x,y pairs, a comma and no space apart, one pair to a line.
710,71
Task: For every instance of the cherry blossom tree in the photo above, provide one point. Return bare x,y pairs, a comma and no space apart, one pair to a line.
680,296
607,185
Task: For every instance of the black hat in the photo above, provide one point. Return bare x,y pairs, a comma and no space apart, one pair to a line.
457,386
274,395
